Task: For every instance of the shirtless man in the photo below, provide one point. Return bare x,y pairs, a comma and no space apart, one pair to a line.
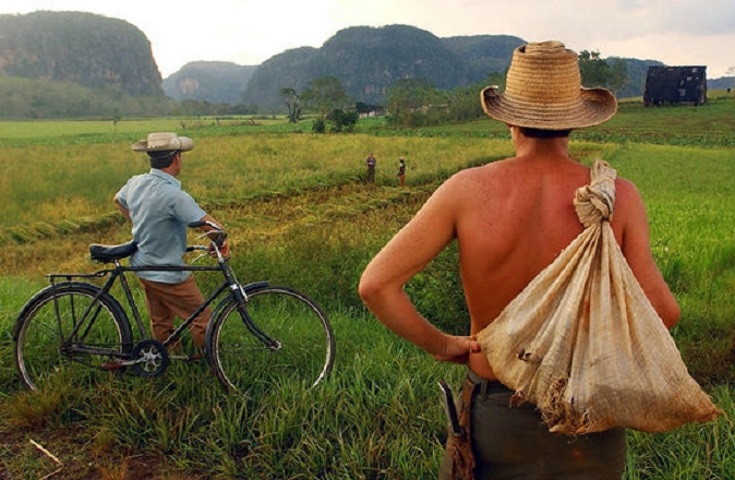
511,218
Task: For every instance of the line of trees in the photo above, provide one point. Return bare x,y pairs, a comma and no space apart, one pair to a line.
416,102
411,103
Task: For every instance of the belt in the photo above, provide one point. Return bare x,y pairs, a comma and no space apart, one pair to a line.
485,385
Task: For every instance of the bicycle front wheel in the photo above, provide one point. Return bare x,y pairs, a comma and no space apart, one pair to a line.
64,334
281,336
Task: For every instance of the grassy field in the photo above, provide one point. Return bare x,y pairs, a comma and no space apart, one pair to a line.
298,213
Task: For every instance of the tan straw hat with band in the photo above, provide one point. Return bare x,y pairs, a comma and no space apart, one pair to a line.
544,91
163,141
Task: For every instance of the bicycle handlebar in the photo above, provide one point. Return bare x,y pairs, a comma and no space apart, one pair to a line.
219,233
202,223
216,235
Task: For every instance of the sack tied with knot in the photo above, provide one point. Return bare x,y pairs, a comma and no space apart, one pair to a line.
583,343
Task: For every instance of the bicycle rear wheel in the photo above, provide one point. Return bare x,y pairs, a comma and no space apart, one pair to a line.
303,345
48,350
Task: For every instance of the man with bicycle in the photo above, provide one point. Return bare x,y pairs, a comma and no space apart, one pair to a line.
160,212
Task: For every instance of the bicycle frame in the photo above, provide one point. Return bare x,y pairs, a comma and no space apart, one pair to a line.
236,292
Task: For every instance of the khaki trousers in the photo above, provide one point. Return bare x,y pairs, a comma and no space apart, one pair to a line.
165,301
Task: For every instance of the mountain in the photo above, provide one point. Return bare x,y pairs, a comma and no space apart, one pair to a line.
637,72
285,69
484,53
113,59
214,82
82,48
368,60
722,83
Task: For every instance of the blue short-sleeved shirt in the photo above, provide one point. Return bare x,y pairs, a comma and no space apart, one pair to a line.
160,211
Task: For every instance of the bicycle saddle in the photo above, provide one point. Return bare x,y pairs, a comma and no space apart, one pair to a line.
109,253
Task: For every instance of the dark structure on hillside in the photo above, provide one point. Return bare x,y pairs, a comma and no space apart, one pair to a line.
675,85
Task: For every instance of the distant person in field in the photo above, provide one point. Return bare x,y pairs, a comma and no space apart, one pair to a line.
401,171
160,212
510,219
371,163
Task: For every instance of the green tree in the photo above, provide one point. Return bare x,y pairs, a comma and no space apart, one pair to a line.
293,102
597,72
324,95
465,101
328,99
594,70
343,120
413,102
618,75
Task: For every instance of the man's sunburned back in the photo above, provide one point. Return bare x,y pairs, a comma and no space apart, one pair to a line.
511,218
519,215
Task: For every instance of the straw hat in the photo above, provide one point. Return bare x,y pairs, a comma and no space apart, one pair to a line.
543,90
163,141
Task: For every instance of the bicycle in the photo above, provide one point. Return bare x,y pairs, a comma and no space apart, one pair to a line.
73,324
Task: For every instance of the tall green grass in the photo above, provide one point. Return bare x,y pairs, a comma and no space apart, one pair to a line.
299,214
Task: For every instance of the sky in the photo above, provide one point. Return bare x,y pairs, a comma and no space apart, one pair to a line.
249,32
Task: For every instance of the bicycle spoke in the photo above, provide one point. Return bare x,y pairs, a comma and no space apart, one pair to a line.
47,345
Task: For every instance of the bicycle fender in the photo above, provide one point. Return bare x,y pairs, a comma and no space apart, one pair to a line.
254,286
40,294
215,311
250,287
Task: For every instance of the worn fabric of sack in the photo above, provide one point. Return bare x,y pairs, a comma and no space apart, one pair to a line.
583,343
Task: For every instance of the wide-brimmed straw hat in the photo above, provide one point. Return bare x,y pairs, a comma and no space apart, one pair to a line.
544,91
163,141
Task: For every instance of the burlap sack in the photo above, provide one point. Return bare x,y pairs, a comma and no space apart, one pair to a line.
583,343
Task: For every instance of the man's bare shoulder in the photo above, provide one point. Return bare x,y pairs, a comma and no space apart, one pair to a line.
627,194
625,185
463,184
484,173
629,206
